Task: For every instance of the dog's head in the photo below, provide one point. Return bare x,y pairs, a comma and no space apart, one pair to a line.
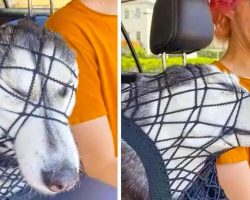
193,102
191,114
38,78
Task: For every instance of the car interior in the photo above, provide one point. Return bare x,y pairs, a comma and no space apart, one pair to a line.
9,14
178,27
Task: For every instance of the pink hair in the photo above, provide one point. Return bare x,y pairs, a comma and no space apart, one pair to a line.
219,8
222,5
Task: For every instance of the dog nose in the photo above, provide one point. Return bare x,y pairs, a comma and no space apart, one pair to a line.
60,180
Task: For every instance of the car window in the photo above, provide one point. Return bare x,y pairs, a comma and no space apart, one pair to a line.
136,18
128,63
2,4
36,3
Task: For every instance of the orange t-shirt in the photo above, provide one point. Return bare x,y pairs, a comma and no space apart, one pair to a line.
237,154
93,36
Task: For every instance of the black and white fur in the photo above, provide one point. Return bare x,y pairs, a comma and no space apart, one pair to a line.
187,153
41,140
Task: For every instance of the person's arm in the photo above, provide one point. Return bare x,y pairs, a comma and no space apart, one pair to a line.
235,180
96,149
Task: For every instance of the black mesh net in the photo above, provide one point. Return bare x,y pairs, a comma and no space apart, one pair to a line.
29,60
192,114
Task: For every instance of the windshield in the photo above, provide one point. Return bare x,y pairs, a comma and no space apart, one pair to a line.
136,18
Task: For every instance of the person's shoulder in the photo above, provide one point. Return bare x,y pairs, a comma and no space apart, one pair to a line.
71,12
64,21
70,17
61,16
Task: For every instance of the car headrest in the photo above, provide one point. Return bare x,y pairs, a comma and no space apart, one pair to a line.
180,26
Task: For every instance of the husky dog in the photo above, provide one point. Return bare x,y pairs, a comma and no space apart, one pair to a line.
38,78
191,114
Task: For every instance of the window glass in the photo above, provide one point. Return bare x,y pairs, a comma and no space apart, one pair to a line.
128,63
136,18
137,13
37,3
138,36
126,14
1,4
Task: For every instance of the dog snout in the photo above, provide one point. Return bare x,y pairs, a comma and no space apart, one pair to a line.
60,180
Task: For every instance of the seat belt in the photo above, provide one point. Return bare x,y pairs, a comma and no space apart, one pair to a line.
159,187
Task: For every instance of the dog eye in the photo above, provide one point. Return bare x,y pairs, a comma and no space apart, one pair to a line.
63,92
227,86
20,92
13,89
